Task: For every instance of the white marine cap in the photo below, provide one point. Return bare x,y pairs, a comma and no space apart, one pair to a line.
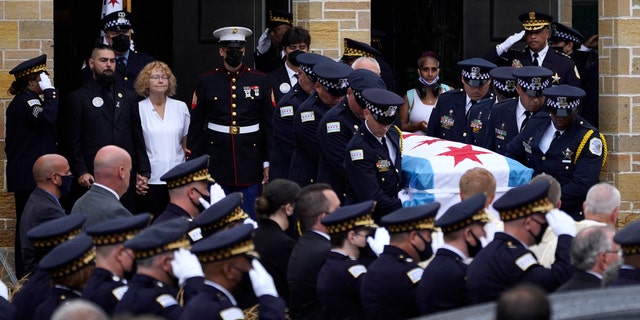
232,36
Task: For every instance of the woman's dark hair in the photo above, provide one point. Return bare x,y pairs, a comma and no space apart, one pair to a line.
428,54
20,85
276,194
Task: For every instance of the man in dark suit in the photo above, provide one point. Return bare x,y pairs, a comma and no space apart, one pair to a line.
313,203
53,180
282,79
538,53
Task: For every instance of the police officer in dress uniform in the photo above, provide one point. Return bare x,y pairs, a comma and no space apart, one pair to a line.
227,257
510,117
536,34
390,284
444,283
114,263
69,265
339,125
331,86
44,238
283,141
458,111
269,54
565,147
160,260
503,83
295,41
231,120
355,49
340,279
373,157
30,133
507,261
222,215
629,240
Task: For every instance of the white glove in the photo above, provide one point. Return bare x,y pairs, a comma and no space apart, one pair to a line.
251,222
404,195
378,241
45,82
561,223
4,291
216,193
503,47
185,265
261,280
264,43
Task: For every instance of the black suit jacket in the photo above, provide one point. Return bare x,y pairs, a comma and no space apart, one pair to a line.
581,280
280,83
274,247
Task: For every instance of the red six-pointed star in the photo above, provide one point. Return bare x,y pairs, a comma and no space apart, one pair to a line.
466,152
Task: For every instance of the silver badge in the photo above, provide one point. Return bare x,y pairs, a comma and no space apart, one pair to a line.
536,82
390,111
97,102
475,72
562,102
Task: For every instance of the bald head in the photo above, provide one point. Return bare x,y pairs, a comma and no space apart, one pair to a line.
112,168
602,203
49,164
367,63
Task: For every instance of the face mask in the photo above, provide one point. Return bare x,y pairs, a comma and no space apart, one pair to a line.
129,274
202,199
121,43
474,250
427,252
434,85
65,188
543,228
234,58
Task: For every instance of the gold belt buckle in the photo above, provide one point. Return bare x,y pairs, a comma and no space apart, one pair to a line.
234,130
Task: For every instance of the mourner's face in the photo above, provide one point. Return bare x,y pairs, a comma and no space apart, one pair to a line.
537,40
277,33
103,63
562,123
327,98
429,69
379,130
531,104
158,81
296,46
353,105
476,93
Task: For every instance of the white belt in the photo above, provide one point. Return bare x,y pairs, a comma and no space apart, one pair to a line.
233,129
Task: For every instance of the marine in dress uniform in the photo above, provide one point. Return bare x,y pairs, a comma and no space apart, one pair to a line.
331,85
69,265
283,141
390,284
503,83
459,114
340,279
444,282
30,133
629,240
231,120
373,157
565,147
355,49
227,256
269,59
44,238
538,53
194,175
107,283
510,117
507,261
338,126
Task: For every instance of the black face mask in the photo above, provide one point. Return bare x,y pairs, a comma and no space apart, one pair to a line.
65,188
543,228
198,204
121,43
427,252
134,268
474,250
234,58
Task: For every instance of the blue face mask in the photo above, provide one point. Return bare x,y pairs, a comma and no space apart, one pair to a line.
65,188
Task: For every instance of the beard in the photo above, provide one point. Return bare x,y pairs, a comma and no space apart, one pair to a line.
105,78
611,273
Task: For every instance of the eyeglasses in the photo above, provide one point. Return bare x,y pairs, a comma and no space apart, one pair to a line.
158,77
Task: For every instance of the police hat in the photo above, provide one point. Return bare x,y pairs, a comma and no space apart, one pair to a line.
117,20
54,232
308,60
349,217
333,76
69,257
463,214
162,237
277,17
383,104
293,57
560,32
629,238
503,81
187,172
219,215
533,20
411,218
532,79
364,79
475,71
118,230
563,100
232,37
226,244
356,49
524,201
31,66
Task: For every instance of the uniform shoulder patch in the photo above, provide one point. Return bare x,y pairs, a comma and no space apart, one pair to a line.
231,314
333,127
357,270
286,111
33,102
415,275
119,292
525,261
166,300
595,146
357,154
307,116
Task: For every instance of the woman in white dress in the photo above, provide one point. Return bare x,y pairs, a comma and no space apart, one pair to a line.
165,123
420,101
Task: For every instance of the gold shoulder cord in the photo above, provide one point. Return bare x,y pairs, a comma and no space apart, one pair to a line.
399,133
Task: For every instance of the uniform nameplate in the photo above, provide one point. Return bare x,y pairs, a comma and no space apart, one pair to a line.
333,127
526,261
415,275
231,314
357,154
286,111
166,300
357,270
307,116
33,102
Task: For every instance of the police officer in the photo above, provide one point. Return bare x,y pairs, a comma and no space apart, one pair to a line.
355,49
340,279
445,287
231,120
269,55
30,133
44,238
294,42
629,239
339,125
390,284
508,118
330,88
507,261
227,257
222,215
503,83
69,266
114,263
453,116
373,157
565,146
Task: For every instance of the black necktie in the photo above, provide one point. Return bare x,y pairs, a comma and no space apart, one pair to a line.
556,135
386,149
120,66
534,62
527,115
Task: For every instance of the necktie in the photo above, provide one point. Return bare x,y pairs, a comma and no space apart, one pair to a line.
556,135
534,62
120,65
527,115
384,145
